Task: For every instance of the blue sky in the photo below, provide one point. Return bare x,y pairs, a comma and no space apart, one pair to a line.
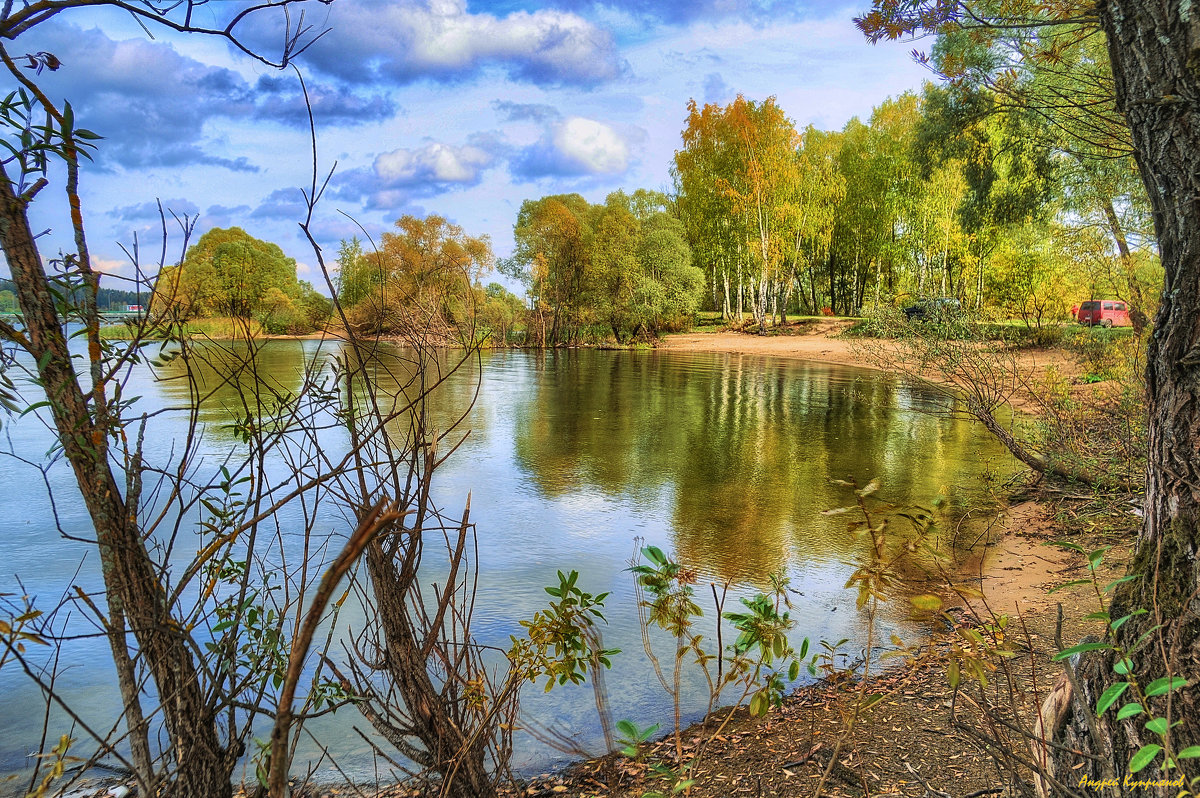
430,106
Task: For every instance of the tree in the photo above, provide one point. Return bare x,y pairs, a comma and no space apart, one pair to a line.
501,312
624,266
169,642
551,254
821,189
231,273
1152,47
1059,80
736,175
641,266
357,276
422,277
706,211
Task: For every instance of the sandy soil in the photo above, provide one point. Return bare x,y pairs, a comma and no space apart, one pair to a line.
818,340
814,341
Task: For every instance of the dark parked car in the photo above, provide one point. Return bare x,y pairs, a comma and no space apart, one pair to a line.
936,308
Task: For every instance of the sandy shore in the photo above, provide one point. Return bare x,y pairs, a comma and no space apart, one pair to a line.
819,341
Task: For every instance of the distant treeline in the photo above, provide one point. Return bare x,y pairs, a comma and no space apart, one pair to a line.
109,300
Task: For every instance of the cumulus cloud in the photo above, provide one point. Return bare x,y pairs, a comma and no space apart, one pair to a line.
574,147
399,175
441,40
111,266
151,103
433,164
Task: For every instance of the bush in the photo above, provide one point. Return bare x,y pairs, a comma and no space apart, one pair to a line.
883,322
1100,351
1045,337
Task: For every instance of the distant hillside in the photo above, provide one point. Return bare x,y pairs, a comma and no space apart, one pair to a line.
109,299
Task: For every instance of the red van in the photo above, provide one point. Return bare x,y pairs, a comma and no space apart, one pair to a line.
1105,312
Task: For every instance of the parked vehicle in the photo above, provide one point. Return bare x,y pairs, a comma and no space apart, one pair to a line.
937,308
1105,312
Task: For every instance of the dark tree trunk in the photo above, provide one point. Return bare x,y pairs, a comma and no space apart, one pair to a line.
451,748
202,765
1154,46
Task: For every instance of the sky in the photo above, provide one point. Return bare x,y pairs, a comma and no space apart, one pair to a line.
462,109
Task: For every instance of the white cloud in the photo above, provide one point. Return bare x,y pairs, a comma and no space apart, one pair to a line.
110,266
594,146
573,147
440,39
433,163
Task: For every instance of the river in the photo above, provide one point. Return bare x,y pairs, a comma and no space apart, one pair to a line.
572,457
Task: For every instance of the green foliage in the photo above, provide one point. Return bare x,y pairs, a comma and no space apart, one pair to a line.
421,280
32,139
1123,666
561,642
758,664
623,267
357,276
632,738
501,313
1101,351
229,273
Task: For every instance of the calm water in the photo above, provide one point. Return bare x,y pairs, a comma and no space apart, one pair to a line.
572,456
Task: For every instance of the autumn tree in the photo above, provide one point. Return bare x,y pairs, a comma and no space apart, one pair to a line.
624,266
422,276
552,236
738,171
707,212
1151,46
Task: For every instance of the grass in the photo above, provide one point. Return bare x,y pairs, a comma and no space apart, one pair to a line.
218,327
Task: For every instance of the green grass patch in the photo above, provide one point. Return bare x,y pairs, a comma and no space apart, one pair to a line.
222,328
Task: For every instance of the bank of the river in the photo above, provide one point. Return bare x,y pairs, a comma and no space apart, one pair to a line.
924,737
822,341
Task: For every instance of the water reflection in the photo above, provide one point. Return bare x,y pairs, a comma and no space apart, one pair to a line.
743,448
226,382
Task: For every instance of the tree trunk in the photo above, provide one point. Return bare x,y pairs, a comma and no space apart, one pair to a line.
452,750
1136,301
1154,46
202,765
